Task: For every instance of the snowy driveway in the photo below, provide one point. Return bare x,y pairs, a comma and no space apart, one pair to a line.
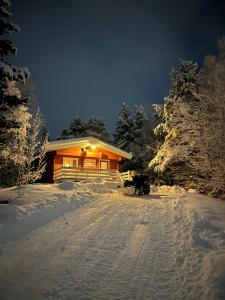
119,247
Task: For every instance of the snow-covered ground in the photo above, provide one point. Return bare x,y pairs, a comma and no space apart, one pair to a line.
90,241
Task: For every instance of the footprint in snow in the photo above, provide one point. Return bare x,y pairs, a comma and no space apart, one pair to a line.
144,222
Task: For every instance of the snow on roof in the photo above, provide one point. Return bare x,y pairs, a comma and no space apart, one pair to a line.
83,142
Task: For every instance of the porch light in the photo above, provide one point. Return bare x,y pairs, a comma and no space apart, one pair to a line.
90,146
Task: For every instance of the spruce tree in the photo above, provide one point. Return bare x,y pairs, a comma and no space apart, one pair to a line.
142,144
178,113
76,129
96,127
124,131
13,110
8,72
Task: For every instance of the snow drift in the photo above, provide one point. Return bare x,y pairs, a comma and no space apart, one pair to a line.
40,204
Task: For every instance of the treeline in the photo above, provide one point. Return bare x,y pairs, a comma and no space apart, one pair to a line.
94,126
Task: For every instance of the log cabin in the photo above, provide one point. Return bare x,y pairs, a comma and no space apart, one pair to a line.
82,158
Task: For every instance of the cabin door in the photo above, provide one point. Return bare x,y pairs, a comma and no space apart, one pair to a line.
104,164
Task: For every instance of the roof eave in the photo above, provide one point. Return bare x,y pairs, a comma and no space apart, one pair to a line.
63,144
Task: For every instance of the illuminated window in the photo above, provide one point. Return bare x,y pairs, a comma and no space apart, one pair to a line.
70,162
104,164
90,163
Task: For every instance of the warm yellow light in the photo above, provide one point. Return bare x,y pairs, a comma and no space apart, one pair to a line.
90,146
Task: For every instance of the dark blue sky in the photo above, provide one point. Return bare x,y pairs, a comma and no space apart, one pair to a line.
87,56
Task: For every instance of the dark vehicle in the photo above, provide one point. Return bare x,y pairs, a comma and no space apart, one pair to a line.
146,188
128,183
141,183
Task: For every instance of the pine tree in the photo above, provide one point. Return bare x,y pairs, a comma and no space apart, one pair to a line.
96,127
144,142
76,129
134,133
139,120
124,131
12,104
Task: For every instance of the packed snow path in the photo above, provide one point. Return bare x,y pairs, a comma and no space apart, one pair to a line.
119,247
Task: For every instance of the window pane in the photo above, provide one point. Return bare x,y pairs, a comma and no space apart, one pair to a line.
70,162
104,165
90,163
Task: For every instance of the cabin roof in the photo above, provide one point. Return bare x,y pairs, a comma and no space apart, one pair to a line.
84,142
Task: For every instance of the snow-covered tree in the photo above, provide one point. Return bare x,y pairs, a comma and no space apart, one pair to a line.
33,144
193,124
139,118
33,149
27,90
21,148
144,141
213,131
12,104
76,129
11,153
134,133
8,72
96,127
124,131
179,115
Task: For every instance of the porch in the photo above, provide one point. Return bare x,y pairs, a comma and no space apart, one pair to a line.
75,173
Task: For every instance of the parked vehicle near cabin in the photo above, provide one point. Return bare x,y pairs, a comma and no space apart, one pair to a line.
140,184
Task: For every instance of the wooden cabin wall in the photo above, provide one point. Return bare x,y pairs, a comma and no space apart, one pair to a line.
96,154
114,164
54,159
47,176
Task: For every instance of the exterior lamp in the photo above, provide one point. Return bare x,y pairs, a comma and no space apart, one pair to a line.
90,146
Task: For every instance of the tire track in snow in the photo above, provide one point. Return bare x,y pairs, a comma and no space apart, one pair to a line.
92,270
118,248
147,271
131,266
196,243
49,251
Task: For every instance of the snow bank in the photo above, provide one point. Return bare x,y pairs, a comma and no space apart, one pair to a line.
101,186
163,190
67,185
40,204
213,210
168,190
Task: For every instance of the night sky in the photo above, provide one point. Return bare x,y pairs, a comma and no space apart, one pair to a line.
86,57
